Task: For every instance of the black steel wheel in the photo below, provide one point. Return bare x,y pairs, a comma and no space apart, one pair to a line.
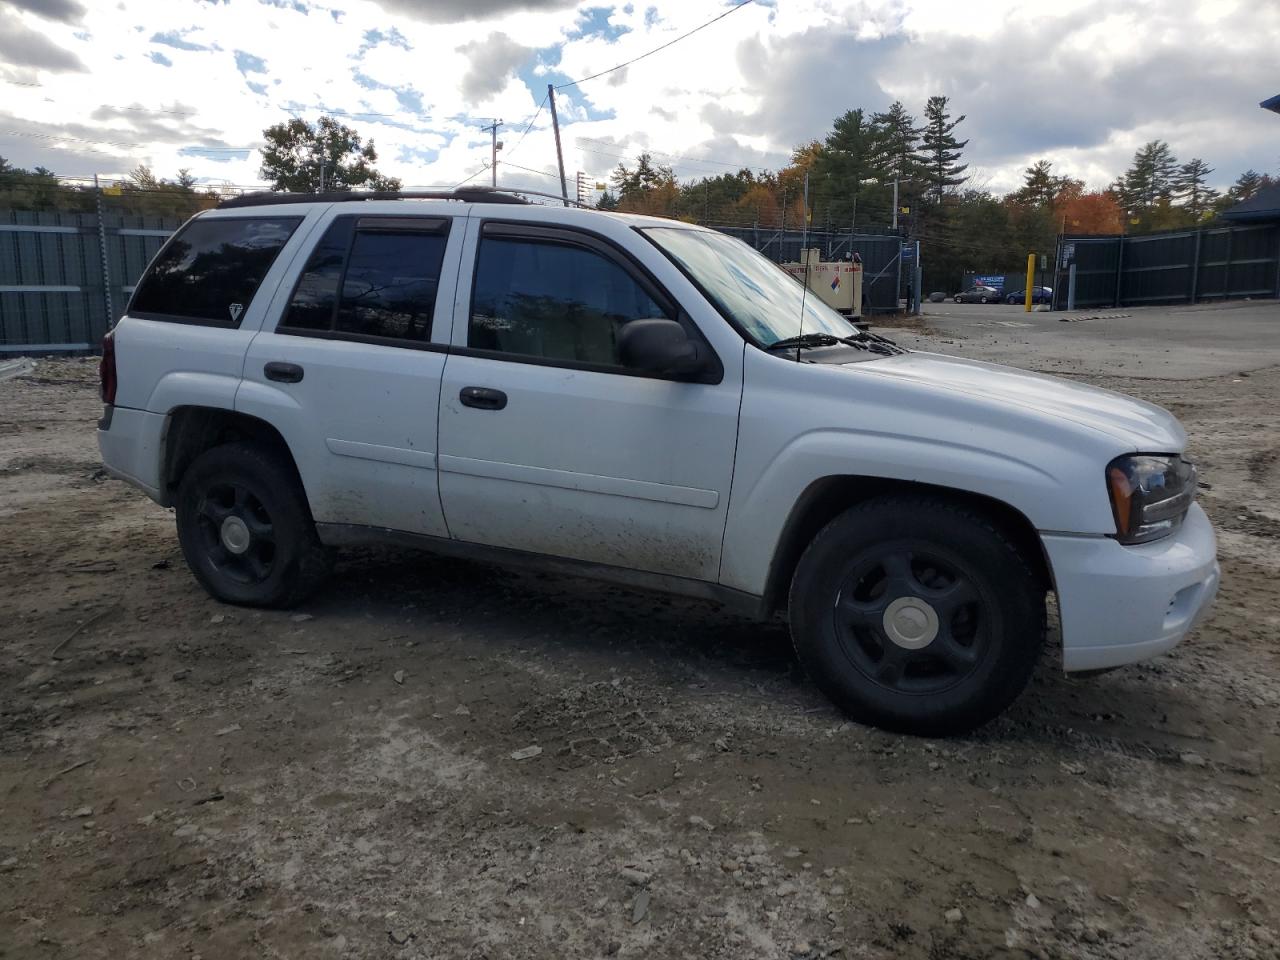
917,615
912,619
236,532
245,527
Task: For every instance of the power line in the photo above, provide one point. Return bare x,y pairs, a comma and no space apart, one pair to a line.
672,156
574,83
544,173
530,126
457,118
472,177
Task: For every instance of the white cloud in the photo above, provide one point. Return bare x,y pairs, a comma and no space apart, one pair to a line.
1083,83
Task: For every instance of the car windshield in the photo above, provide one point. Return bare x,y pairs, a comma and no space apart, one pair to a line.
749,289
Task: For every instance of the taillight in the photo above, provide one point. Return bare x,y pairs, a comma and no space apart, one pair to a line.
107,368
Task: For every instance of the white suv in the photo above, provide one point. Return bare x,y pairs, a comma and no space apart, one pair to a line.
651,402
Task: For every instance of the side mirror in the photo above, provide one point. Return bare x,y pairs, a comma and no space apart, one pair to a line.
660,346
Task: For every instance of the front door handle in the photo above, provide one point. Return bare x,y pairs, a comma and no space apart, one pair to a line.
483,398
283,372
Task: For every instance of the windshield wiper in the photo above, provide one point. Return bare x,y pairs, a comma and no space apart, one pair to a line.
805,340
860,340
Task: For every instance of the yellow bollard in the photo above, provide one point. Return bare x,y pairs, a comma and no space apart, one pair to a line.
1031,276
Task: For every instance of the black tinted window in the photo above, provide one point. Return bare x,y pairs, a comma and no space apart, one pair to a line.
390,286
212,268
554,300
388,270
315,297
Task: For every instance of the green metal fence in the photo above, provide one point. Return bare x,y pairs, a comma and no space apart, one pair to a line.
1187,266
66,277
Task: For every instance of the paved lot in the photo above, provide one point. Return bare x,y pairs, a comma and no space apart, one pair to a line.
183,779
1173,343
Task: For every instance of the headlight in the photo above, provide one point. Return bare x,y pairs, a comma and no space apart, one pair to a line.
1149,495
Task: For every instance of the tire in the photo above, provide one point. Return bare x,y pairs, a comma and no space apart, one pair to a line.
970,618
958,300
246,530
982,299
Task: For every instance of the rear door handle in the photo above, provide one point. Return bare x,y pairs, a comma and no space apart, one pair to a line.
282,372
483,398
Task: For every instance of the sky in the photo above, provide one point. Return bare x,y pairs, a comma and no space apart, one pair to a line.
100,86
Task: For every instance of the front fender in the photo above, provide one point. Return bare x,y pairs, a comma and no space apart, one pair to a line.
1048,469
759,510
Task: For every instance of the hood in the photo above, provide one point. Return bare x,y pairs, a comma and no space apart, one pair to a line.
1144,426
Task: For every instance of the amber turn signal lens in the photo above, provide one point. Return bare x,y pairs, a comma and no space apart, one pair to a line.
1121,500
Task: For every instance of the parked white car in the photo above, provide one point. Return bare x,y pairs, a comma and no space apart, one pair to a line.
650,402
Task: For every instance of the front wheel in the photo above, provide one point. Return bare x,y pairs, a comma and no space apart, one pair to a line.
958,300
245,527
917,615
982,299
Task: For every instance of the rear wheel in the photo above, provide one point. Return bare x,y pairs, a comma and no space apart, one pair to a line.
982,299
917,615
245,528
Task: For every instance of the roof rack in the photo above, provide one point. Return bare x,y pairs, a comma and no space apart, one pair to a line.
466,195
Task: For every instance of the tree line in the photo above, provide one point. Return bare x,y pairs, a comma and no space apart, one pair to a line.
297,156
851,175
962,226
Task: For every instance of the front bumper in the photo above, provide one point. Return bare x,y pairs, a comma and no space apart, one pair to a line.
1120,604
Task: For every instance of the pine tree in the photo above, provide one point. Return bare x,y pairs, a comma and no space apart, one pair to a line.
847,158
1246,186
940,149
1192,187
1040,187
897,142
1152,176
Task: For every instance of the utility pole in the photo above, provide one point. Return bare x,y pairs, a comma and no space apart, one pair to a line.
804,243
321,173
496,146
555,123
895,203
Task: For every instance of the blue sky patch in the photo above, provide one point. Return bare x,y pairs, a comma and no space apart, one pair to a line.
160,58
302,8
419,154
594,22
259,88
247,63
410,99
392,37
174,38
540,70
215,157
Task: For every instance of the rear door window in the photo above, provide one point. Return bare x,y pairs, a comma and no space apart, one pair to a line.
371,278
210,271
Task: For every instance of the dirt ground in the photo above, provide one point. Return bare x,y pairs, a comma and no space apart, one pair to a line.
184,779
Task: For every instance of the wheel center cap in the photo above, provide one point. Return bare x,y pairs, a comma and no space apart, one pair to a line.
911,623
235,535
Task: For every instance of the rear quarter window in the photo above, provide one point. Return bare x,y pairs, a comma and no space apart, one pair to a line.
211,269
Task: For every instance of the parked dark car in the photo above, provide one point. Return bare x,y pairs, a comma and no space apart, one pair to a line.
979,294
1038,295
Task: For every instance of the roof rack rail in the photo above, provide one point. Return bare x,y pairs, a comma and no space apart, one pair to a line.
466,195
